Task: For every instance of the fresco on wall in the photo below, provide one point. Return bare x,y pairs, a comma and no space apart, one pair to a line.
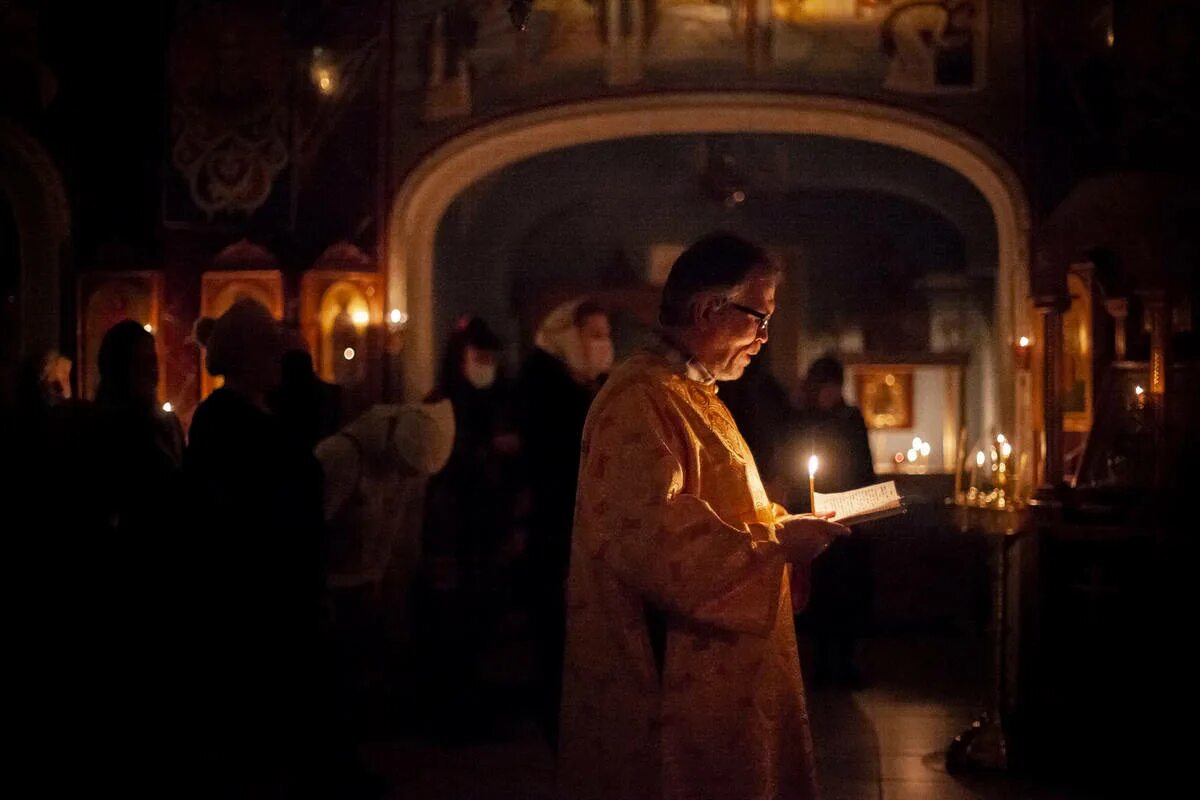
229,80
905,46
695,30
220,290
566,31
106,298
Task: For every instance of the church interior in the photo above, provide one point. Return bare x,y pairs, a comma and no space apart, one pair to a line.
983,210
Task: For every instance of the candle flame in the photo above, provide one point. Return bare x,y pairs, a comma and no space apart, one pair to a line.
812,466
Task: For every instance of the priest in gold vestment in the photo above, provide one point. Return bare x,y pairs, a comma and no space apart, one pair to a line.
681,676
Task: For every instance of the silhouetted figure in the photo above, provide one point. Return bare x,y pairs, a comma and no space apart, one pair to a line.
469,513
376,469
573,353
141,445
260,681
54,671
308,407
129,452
840,604
41,391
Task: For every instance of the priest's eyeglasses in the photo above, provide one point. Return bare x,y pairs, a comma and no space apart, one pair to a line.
763,317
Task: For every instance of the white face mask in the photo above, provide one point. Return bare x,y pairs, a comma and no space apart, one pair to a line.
600,355
481,376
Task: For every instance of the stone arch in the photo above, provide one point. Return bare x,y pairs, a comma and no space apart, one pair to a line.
433,184
35,190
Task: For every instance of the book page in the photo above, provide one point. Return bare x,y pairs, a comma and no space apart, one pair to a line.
858,502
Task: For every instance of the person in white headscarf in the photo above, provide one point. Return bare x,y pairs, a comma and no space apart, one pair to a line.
375,473
376,470
573,353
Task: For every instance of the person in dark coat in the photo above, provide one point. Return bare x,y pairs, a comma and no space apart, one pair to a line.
256,647
572,355
307,406
766,418
470,510
839,607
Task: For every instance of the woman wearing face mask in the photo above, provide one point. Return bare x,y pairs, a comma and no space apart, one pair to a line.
572,356
469,513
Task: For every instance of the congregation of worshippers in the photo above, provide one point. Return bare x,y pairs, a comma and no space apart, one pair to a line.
599,399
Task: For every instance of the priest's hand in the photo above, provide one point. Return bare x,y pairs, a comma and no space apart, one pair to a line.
805,536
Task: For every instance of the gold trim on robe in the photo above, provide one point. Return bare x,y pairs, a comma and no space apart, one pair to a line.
681,676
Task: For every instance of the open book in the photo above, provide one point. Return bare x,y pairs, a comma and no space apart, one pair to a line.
866,503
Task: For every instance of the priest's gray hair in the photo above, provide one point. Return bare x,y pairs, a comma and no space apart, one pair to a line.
714,265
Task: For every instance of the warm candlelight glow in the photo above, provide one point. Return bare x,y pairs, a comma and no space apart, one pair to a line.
916,443
348,353
361,317
912,454
149,328
397,317
1139,391
979,457
1023,341
167,407
323,71
812,484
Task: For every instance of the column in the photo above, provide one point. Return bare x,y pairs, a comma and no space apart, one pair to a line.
1118,309
1052,345
445,97
623,49
1155,305
758,35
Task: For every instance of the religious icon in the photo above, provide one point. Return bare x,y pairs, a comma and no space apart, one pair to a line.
220,290
346,338
1077,356
338,309
106,298
885,396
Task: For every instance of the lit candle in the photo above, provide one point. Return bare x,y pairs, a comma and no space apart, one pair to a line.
812,492
958,463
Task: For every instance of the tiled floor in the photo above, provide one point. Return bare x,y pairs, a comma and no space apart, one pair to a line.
885,742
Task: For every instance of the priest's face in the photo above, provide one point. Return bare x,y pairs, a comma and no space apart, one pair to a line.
735,327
